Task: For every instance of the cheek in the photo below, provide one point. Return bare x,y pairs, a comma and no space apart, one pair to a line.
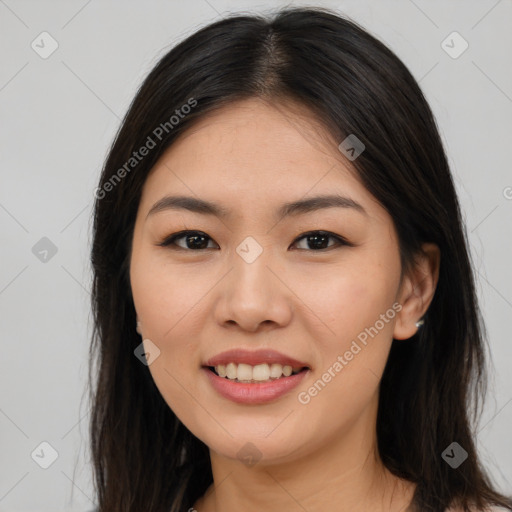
166,296
359,310
164,299
348,301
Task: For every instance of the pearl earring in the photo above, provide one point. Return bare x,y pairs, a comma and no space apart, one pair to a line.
419,323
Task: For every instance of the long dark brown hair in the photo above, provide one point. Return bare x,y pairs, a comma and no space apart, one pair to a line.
144,458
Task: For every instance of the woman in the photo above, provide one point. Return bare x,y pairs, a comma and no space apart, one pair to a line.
285,311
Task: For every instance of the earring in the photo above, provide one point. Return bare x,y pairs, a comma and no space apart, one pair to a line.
419,323
137,328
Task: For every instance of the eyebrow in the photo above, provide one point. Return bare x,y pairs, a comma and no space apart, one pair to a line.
293,208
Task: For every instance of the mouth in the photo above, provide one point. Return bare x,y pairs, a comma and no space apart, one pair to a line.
257,374
260,384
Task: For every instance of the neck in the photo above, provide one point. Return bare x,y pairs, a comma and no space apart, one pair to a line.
343,473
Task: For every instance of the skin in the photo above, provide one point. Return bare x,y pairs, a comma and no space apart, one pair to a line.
251,157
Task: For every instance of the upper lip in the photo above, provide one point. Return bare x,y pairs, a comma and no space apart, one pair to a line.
253,358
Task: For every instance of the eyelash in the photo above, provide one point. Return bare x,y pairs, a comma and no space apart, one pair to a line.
170,240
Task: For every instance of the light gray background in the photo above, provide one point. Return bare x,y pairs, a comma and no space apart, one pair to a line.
58,117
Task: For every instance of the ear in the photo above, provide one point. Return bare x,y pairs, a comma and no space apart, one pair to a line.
417,291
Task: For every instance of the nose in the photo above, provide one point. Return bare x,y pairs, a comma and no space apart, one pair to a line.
253,298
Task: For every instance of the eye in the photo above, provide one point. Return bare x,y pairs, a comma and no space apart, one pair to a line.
317,240
197,240
193,240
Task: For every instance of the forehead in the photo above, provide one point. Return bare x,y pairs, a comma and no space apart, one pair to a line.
254,130
254,153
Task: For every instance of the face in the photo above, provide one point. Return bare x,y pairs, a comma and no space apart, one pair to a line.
253,279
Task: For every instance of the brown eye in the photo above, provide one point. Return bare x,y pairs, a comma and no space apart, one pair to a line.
194,240
318,240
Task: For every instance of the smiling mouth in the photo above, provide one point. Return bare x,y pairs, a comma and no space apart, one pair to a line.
260,373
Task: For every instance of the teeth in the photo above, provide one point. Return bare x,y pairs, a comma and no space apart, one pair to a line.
231,371
276,370
259,373
244,372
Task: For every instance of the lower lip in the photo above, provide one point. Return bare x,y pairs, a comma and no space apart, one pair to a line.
258,393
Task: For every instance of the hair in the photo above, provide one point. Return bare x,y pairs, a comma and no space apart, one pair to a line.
144,458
